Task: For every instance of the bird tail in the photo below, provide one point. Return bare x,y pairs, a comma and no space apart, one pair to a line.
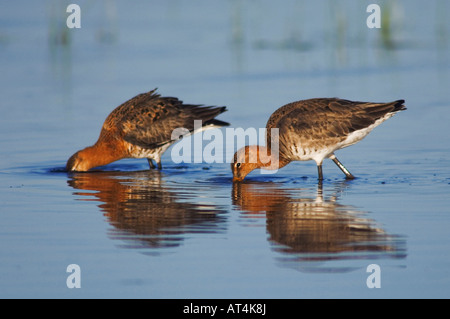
398,106
216,123
208,113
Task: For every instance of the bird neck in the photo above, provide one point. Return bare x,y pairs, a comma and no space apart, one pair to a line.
99,154
268,159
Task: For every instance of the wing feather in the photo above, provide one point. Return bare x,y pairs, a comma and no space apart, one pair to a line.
148,120
318,121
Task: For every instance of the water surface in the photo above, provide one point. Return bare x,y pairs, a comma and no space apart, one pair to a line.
187,231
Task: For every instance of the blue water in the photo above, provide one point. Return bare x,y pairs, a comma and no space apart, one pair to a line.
188,231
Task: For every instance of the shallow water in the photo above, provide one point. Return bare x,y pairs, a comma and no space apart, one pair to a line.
188,231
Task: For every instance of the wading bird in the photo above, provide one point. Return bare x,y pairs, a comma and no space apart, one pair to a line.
142,127
313,130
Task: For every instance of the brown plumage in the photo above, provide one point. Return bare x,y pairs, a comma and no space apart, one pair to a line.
312,130
142,127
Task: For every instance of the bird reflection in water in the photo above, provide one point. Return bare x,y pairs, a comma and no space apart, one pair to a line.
310,231
144,211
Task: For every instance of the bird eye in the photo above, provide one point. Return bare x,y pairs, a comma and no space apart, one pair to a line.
238,165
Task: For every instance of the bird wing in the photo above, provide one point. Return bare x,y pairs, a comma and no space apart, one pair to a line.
333,118
148,120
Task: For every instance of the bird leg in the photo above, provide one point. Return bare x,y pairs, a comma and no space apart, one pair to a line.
319,170
348,175
150,163
319,190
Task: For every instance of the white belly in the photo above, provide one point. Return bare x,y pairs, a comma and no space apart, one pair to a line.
307,154
357,136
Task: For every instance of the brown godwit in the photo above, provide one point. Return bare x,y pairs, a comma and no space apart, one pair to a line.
142,128
313,130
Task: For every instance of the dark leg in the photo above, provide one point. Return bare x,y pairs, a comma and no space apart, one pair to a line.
319,170
150,163
159,165
348,175
320,190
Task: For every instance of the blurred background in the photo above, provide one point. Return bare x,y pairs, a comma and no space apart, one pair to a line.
247,55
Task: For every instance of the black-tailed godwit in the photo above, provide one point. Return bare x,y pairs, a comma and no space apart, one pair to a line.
313,130
142,128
